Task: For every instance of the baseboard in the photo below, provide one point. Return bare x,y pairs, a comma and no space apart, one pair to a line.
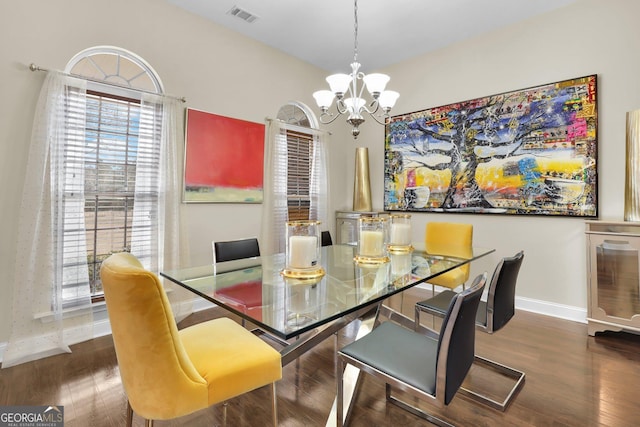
561,311
101,326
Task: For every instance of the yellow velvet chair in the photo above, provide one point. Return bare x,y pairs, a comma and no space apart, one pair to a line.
167,373
454,239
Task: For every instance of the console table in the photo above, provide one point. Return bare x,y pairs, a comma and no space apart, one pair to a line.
613,274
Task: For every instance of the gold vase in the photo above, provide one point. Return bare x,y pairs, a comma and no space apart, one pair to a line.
632,178
361,184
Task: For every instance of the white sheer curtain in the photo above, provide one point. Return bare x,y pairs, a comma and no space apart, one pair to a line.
53,199
54,203
157,202
274,207
319,183
274,204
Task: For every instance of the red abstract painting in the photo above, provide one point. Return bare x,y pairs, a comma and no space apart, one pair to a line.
223,159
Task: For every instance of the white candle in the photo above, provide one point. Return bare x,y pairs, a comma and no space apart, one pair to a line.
400,234
371,243
302,251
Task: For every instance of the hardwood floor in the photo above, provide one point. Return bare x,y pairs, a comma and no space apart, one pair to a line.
572,380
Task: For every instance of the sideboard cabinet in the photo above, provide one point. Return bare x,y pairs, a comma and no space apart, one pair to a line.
613,273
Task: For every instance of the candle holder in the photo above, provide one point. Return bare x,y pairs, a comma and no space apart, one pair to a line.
302,251
372,240
301,301
401,266
400,233
370,280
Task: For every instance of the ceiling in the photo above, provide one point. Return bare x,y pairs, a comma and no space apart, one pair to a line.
322,32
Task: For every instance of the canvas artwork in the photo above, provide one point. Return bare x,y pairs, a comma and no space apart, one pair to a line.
224,159
526,152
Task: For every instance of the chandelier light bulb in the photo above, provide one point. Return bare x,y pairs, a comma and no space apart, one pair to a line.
339,84
354,105
324,99
376,83
388,99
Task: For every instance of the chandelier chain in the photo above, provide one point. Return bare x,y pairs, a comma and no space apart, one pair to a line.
355,31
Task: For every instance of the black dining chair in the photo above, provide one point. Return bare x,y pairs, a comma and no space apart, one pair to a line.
235,249
428,366
231,250
492,316
325,238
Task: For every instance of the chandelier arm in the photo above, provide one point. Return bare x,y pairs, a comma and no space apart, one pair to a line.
342,109
385,118
328,118
375,104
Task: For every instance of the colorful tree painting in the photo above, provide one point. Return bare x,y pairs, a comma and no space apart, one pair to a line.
531,151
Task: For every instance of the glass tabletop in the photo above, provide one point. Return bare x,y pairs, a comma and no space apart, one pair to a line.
255,289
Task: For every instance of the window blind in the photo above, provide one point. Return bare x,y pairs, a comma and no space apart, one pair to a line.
299,167
102,149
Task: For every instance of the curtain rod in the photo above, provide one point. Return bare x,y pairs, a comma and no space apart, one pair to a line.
298,127
34,67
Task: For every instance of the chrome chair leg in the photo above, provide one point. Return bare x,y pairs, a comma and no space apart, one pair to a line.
414,410
339,395
129,414
274,404
507,371
148,423
224,413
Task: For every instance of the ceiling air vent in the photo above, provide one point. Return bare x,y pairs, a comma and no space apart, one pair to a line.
242,14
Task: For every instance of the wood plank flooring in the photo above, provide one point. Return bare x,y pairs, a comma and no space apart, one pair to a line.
572,380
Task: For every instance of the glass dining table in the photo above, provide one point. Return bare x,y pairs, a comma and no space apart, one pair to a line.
256,291
299,313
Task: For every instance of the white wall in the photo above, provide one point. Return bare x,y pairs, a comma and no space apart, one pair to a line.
588,37
224,73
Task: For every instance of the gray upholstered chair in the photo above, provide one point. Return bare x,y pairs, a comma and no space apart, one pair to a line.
492,316
431,367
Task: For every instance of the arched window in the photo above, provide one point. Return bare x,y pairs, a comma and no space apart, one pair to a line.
300,149
121,153
115,66
297,114
295,174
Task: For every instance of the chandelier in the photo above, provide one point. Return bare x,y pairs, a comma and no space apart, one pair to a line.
353,104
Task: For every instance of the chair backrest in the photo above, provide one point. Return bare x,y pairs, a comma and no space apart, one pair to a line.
235,249
325,238
502,292
153,363
450,238
456,346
